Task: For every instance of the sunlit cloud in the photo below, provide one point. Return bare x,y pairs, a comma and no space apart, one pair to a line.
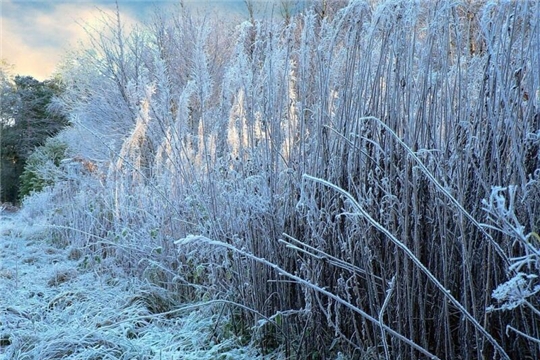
35,36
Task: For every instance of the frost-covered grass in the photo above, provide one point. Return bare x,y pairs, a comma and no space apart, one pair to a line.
356,179
56,307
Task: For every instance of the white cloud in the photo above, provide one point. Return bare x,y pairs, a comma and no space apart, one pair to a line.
36,34
36,40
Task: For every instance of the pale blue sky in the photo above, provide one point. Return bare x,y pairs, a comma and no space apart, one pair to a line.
35,33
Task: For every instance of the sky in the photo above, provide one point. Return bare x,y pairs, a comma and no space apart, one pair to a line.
36,33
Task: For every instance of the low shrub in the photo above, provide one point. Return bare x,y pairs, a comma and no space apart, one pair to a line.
42,167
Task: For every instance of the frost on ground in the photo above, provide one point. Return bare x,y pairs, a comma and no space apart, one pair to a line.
54,306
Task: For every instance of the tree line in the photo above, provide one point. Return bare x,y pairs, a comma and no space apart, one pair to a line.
26,122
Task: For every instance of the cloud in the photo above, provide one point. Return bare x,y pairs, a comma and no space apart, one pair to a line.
35,35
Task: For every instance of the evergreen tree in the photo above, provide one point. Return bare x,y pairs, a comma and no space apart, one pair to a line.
26,124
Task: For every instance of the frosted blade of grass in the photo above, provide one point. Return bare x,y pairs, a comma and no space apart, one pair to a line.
321,255
441,188
414,259
528,337
389,292
299,280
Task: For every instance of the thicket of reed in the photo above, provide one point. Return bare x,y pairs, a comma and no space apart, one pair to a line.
360,179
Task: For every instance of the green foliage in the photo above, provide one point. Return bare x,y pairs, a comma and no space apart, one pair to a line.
42,167
27,122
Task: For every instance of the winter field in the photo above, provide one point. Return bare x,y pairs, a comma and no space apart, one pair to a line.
54,306
342,181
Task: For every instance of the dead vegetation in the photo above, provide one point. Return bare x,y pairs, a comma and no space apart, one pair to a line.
361,181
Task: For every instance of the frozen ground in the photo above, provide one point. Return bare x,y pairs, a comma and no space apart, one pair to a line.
53,306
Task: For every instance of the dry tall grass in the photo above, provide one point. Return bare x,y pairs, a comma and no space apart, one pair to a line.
335,169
